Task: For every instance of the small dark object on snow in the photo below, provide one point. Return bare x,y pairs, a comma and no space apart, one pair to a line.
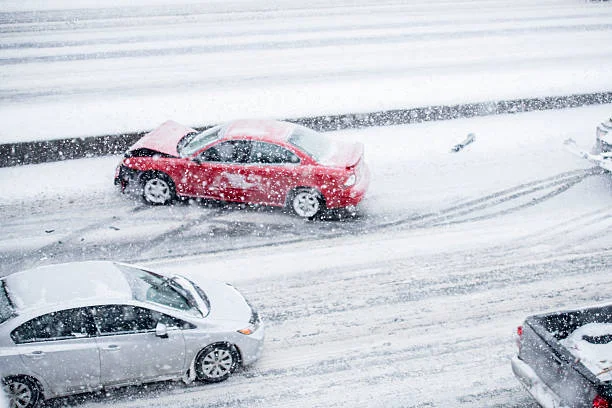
114,228
49,231
468,139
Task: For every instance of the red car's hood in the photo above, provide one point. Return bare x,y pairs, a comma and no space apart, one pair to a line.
163,139
344,155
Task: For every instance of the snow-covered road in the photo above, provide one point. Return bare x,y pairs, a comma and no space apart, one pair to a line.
83,69
413,304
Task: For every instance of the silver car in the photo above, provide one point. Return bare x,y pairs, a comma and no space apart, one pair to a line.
79,327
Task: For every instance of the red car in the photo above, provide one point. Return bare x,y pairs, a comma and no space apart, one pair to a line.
247,161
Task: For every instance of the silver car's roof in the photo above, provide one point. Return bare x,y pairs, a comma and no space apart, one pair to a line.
45,286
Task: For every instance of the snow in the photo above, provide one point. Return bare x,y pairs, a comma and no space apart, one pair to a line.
415,302
3,399
84,72
595,357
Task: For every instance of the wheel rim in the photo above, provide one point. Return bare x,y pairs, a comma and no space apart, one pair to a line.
20,395
306,204
217,363
157,191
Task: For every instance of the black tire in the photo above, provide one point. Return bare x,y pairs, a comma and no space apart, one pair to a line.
215,363
22,392
158,189
306,202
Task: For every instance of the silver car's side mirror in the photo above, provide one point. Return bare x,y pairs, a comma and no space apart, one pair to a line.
161,330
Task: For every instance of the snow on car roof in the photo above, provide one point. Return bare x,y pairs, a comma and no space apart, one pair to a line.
62,283
259,129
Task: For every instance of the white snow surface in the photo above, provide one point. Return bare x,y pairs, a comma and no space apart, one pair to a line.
415,303
418,314
82,68
595,357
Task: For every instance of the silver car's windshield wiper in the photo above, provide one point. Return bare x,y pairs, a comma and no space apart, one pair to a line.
201,301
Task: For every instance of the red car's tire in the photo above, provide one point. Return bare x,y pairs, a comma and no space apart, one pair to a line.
158,188
306,202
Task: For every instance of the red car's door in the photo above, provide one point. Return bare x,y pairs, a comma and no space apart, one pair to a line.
219,172
273,171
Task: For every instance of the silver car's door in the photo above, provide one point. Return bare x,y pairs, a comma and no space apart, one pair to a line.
130,350
61,348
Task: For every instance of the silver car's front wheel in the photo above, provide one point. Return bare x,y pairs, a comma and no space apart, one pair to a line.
21,392
216,363
306,203
158,189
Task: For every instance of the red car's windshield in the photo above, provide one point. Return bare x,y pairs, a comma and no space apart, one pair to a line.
193,142
311,142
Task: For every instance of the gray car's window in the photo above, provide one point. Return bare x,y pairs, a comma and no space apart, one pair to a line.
150,287
6,307
114,319
61,325
268,153
126,319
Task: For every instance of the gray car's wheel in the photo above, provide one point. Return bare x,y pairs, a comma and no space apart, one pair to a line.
306,202
216,363
158,189
22,392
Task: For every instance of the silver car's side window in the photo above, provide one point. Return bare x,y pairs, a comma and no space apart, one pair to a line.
115,319
60,325
126,319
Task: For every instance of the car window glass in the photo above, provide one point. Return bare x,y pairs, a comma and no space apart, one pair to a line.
150,287
126,319
113,319
61,325
6,307
194,142
268,153
315,144
232,151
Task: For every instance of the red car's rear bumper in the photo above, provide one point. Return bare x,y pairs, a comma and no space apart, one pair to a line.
351,196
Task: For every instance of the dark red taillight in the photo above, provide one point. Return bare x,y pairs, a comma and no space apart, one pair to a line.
519,331
600,402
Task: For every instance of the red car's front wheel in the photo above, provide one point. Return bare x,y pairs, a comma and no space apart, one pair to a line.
157,189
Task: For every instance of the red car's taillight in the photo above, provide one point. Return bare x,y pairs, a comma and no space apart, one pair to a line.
600,402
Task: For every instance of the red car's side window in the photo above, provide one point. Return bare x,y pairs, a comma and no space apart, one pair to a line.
268,153
233,151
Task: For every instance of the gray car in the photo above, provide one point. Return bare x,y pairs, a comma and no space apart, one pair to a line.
84,326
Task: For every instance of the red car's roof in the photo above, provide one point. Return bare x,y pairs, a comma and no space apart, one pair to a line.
259,129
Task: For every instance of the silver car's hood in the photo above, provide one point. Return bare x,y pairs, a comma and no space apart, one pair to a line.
226,303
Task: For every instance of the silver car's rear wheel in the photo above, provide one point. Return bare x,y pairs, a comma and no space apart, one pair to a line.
22,393
306,203
216,363
158,189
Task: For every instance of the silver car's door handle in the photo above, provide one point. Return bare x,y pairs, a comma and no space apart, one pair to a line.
112,347
36,354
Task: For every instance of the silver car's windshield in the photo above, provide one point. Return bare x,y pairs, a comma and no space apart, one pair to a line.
150,287
6,307
318,146
191,143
